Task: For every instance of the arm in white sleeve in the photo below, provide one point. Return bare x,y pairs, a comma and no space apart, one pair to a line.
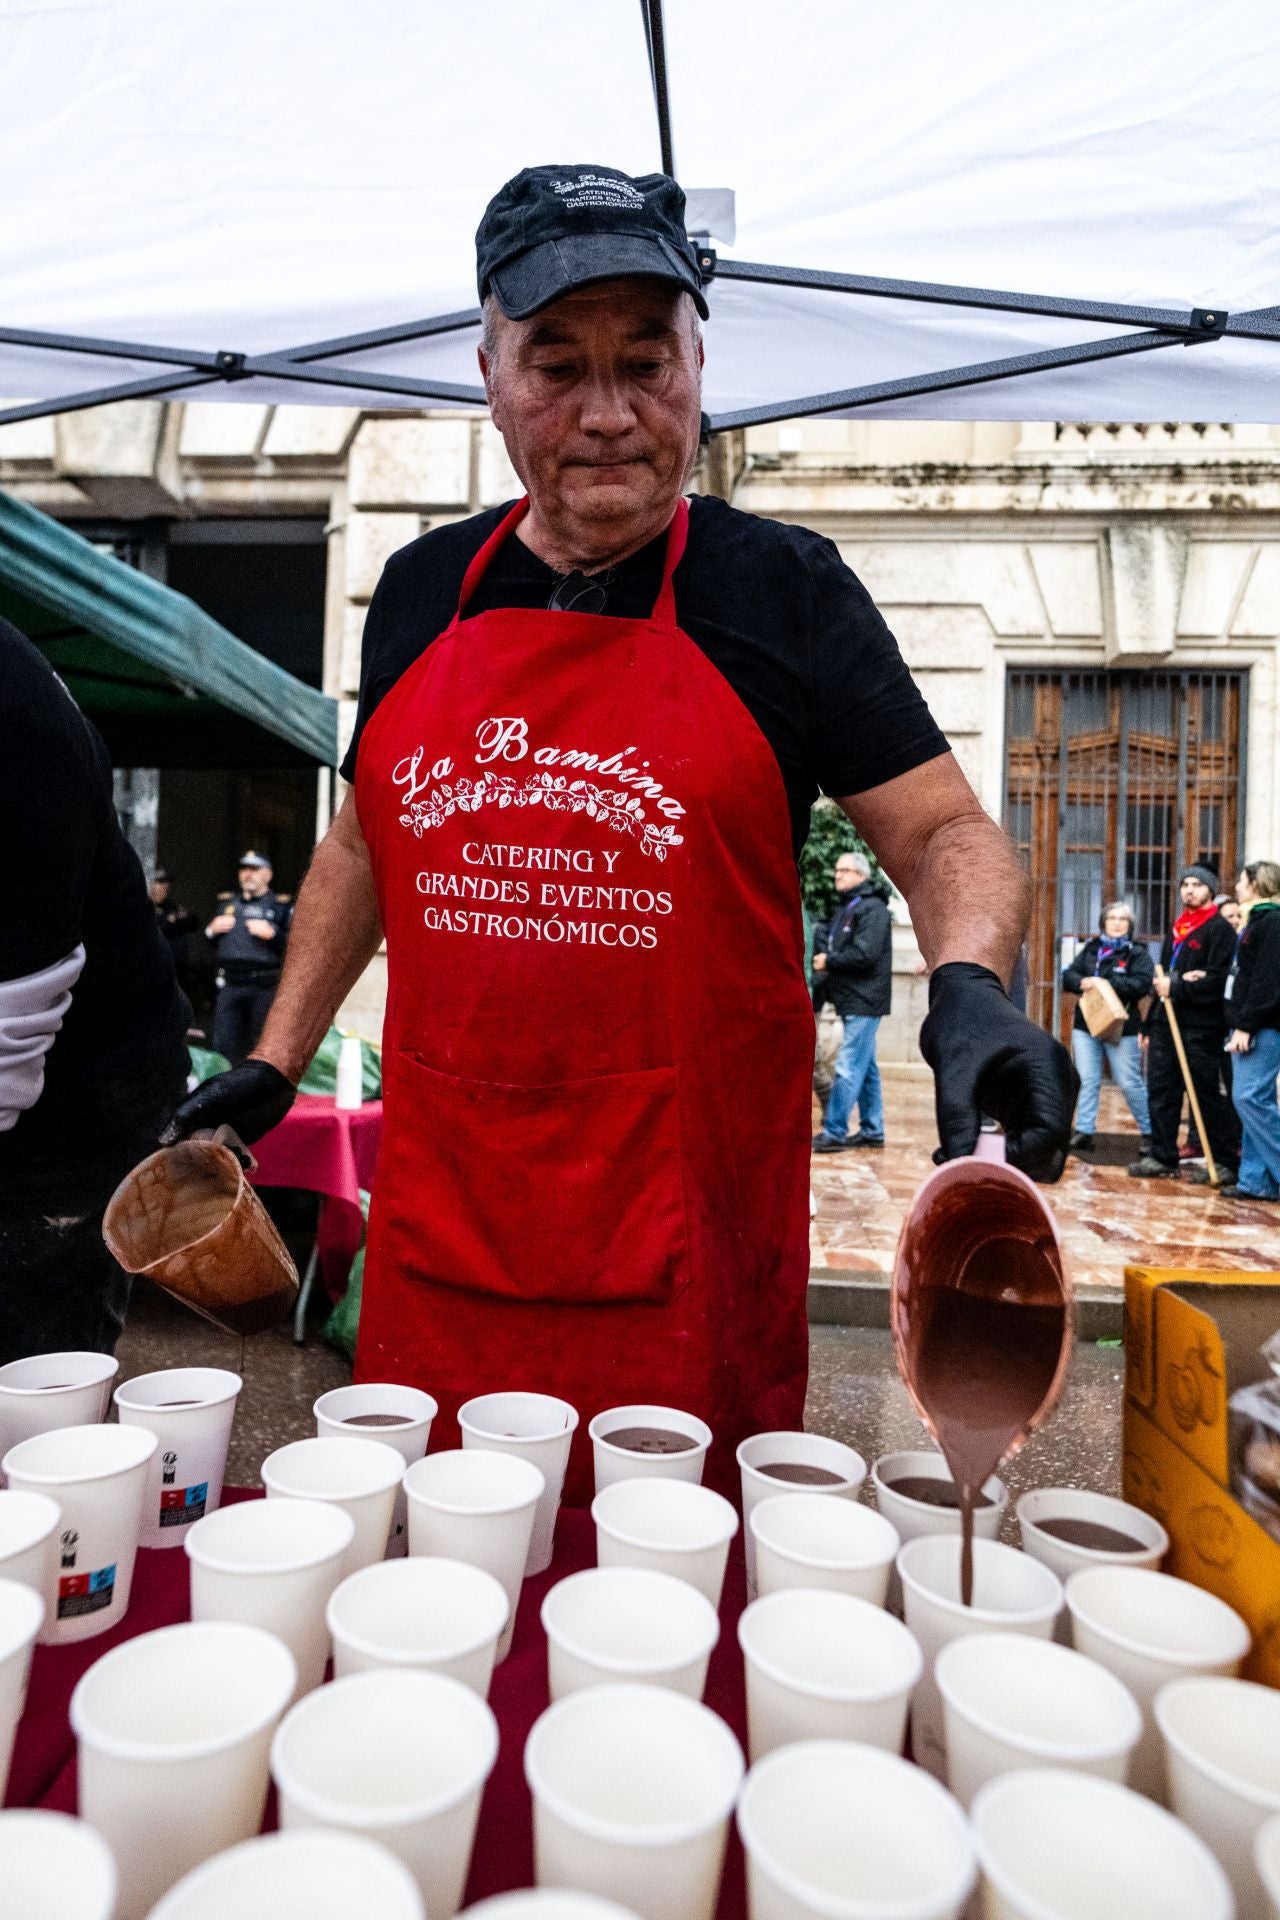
32,1010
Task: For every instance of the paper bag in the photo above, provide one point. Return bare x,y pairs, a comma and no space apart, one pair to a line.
1103,1009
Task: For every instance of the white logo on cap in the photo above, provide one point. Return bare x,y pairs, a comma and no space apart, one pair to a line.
598,190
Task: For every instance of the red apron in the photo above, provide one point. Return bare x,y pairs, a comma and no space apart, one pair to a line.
593,1178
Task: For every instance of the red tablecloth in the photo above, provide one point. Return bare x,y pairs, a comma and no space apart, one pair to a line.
331,1151
43,1772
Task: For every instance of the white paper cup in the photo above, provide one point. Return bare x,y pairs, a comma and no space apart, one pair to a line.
614,1624
914,1519
401,1758
1148,1628
844,1831
1010,1702
547,1903
272,1564
190,1411
29,1540
1222,1756
413,1410
537,1427
1056,1845
670,1526
297,1876
360,1476
1073,1503
825,1666
55,1868
174,1730
622,1463
477,1506
50,1390
791,1449
1012,1593
21,1615
836,1544
441,1615
1266,1858
98,1476
632,1792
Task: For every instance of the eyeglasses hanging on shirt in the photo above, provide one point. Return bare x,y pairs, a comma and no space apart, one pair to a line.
581,593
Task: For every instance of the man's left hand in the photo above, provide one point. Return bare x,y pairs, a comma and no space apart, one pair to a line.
261,929
989,1059
819,962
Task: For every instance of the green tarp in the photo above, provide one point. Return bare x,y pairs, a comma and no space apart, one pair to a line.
166,685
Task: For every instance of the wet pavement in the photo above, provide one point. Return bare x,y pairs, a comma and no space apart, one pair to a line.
1106,1220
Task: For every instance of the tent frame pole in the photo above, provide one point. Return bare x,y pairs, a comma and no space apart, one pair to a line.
1160,327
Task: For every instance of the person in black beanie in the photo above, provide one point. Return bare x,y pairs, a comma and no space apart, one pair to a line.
1194,962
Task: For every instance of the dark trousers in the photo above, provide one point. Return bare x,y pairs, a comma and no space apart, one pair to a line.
239,1016
60,1290
1165,1094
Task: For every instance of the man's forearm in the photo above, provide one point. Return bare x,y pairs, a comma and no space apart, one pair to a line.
334,934
969,896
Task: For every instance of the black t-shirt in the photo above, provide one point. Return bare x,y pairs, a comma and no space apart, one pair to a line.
70,878
772,606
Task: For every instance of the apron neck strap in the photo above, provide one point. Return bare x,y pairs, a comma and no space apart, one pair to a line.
664,611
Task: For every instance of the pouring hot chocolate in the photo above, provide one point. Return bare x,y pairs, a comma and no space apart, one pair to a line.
982,1318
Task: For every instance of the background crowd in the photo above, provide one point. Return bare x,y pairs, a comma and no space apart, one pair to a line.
1207,1014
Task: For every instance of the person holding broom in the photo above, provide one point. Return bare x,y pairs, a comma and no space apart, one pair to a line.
1191,979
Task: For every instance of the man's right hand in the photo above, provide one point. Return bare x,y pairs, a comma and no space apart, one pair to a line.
251,1099
221,923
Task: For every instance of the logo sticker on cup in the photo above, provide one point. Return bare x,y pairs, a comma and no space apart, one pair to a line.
85,1592
179,1506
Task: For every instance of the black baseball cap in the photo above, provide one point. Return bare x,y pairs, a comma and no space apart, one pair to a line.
552,229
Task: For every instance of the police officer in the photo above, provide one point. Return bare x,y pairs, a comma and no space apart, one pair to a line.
175,923
249,932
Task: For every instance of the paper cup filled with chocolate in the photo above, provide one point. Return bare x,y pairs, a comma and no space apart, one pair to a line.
1068,1528
635,1443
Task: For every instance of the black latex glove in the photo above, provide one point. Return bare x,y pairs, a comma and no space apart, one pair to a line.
251,1099
990,1060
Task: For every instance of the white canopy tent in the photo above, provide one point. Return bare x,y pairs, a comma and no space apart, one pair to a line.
275,200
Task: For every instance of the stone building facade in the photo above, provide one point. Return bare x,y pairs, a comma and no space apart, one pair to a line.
1092,612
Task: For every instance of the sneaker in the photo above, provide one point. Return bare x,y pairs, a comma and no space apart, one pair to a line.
827,1143
861,1139
1199,1176
1081,1142
1149,1168
1236,1192
1187,1152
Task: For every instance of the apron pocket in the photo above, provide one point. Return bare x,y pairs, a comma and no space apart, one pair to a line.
569,1192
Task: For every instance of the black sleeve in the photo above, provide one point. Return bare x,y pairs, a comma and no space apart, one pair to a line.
870,721
1220,950
54,799
376,672
1138,979
1073,977
862,952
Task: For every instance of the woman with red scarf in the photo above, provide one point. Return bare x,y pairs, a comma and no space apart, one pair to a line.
1194,963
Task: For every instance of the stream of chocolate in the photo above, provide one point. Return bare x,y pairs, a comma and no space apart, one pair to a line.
985,1352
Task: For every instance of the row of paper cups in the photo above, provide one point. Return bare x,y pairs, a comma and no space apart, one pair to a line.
634,1786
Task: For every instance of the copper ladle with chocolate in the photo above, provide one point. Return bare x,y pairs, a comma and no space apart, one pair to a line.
189,1220
982,1318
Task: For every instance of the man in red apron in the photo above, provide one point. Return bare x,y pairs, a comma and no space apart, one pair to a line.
591,727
